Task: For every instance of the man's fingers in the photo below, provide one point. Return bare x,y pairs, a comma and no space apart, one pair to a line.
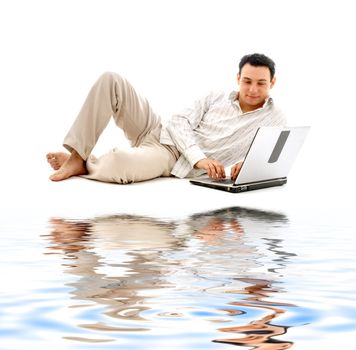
215,170
212,170
233,173
221,171
235,170
208,169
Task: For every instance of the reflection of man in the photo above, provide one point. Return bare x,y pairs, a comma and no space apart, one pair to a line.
214,228
114,279
214,224
235,222
71,237
260,333
119,258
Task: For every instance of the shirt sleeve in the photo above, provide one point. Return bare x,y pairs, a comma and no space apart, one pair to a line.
181,127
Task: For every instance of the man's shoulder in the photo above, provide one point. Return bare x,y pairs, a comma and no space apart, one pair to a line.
273,105
220,95
276,113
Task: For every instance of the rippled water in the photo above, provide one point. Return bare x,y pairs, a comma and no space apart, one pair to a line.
230,277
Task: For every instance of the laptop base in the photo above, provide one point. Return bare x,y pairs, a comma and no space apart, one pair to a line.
240,188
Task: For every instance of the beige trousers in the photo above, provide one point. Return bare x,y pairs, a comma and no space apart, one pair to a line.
113,96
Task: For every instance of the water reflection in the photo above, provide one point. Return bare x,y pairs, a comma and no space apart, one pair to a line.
211,227
129,264
259,333
117,264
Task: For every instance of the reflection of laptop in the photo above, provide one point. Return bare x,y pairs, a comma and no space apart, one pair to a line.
267,162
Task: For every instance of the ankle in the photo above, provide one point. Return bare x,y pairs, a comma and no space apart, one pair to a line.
76,156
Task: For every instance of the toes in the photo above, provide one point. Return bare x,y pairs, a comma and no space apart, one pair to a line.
56,177
53,161
53,164
56,160
53,177
51,158
60,175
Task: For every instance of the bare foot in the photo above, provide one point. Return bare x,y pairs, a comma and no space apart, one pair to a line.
73,166
56,160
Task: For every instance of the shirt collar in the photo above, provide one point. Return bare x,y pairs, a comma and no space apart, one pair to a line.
234,95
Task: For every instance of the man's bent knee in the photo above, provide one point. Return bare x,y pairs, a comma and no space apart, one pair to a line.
110,76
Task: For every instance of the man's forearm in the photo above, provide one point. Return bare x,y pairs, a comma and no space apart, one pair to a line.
183,137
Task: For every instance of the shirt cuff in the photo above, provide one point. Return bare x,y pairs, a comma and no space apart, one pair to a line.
193,154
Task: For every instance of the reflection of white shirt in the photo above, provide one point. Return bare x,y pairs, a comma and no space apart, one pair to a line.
215,127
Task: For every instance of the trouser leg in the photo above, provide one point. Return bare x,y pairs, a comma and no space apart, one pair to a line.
147,161
111,95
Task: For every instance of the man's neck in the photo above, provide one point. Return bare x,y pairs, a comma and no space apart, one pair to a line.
248,108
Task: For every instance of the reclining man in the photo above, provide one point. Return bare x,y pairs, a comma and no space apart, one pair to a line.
213,134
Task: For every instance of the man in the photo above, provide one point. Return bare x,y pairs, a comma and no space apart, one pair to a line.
215,133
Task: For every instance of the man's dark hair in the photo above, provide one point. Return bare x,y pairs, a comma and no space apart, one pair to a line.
258,60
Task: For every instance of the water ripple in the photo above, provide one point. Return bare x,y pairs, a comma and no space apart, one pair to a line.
231,277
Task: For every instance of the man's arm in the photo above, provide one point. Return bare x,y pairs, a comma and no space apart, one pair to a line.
181,129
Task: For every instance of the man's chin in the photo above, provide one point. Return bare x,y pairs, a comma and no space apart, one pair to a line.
254,102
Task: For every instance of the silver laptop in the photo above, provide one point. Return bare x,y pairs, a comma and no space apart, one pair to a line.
268,160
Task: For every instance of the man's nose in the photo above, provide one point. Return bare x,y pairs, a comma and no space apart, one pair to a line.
253,88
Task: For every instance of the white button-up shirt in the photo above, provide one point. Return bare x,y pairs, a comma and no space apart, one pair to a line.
216,128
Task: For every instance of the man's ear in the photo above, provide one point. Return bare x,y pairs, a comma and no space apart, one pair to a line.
238,78
273,81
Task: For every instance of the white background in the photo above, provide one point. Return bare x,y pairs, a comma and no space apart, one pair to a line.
174,52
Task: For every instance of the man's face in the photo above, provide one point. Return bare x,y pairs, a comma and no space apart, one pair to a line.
255,84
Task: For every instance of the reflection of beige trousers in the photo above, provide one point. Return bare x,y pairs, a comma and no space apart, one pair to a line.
114,96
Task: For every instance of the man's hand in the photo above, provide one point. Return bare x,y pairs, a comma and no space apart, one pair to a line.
214,168
235,170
